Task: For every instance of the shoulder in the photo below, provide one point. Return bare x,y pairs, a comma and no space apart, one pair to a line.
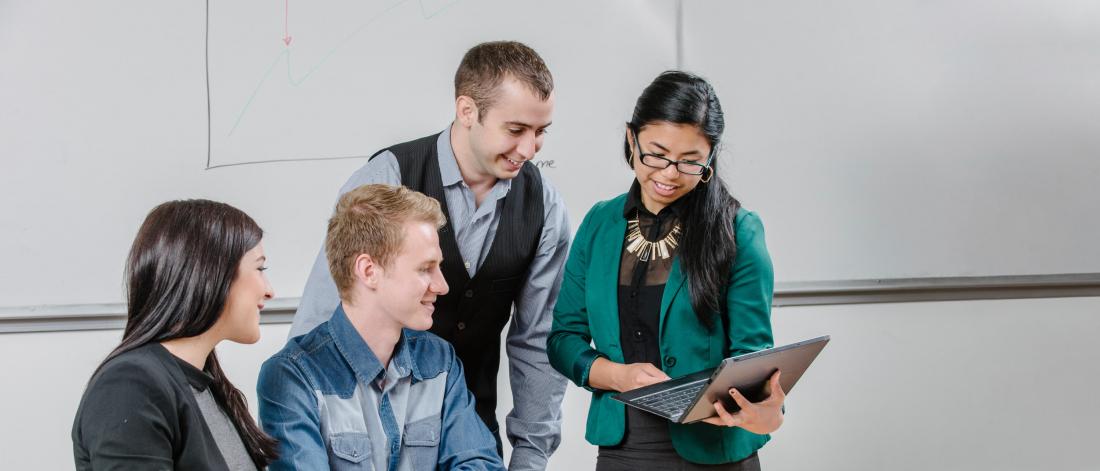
748,227
309,350
603,212
381,168
552,202
555,214
311,359
137,378
430,354
140,369
550,194
752,250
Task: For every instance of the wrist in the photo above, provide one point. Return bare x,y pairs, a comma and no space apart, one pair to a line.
602,375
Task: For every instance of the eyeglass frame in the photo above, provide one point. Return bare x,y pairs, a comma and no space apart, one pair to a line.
669,162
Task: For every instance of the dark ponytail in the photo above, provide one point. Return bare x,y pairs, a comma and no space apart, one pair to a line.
708,246
181,264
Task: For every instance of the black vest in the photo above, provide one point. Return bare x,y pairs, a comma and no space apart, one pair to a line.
474,312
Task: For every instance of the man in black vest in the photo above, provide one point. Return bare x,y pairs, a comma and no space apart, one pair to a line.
504,244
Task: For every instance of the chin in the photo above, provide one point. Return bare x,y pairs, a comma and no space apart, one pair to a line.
249,339
425,325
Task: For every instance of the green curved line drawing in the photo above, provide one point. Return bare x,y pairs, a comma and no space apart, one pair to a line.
286,52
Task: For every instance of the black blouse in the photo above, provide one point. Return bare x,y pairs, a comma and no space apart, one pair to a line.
642,283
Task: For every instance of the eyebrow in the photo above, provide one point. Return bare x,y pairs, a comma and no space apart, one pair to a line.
665,149
522,124
263,258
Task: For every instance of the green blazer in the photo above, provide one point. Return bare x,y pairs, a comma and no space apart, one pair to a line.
586,326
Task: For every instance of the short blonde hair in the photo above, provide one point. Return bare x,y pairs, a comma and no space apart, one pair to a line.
369,220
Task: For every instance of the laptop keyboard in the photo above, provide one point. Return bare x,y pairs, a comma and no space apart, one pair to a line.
672,402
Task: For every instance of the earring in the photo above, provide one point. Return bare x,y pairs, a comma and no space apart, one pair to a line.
709,173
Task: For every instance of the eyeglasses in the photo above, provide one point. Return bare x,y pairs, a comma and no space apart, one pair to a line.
682,166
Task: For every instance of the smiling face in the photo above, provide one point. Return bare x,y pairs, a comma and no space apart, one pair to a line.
509,133
675,142
240,317
410,284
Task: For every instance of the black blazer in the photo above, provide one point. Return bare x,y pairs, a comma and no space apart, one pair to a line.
139,412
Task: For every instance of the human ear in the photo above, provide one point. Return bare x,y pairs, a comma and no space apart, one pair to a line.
633,146
466,111
366,270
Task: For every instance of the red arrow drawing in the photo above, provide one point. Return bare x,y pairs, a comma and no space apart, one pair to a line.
286,23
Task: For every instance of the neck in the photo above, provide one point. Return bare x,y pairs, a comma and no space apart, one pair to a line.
380,336
480,182
193,350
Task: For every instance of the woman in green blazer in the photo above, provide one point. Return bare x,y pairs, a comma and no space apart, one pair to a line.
666,280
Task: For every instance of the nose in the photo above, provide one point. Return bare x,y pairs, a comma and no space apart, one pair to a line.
670,172
528,146
269,292
438,284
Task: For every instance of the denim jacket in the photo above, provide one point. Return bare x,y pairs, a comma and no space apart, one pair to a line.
333,405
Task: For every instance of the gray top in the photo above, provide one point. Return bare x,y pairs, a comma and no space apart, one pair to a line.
225,434
534,424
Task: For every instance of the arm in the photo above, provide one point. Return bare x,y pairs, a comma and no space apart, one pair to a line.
127,422
320,297
289,413
465,442
749,310
608,375
533,426
569,346
749,297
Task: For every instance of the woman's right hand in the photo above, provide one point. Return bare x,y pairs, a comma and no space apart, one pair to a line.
608,375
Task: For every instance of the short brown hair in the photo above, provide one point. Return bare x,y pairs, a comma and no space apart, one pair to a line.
369,220
485,66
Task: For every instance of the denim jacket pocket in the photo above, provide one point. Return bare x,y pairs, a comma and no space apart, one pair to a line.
422,442
352,451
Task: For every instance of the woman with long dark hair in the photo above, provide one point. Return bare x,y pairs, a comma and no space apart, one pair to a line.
160,400
666,280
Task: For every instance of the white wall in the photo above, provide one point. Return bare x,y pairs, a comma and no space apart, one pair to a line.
951,385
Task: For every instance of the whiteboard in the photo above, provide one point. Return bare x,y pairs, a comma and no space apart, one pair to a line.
875,139
106,114
907,138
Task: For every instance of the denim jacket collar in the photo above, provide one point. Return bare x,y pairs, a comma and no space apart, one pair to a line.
359,356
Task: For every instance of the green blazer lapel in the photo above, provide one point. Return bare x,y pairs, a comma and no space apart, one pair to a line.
673,286
604,279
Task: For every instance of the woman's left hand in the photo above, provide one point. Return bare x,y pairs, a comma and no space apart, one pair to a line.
761,417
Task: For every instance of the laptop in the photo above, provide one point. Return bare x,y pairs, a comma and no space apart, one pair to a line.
690,398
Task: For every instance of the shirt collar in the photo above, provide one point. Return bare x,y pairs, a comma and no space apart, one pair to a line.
450,175
199,379
634,202
359,356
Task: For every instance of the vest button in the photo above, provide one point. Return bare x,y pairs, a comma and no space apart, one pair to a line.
469,293
461,326
670,361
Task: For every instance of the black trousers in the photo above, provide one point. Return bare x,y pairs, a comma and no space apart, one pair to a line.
647,445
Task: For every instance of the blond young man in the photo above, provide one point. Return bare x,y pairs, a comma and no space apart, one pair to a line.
370,388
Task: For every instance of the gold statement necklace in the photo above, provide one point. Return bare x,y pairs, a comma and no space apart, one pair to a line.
637,244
